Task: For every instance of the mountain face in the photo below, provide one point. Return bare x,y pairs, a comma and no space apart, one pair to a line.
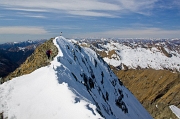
148,68
7,64
12,55
21,45
76,84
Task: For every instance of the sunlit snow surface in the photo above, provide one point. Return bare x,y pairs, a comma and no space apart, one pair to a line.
59,91
143,57
175,110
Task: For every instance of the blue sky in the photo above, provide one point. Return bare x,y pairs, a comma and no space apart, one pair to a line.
39,19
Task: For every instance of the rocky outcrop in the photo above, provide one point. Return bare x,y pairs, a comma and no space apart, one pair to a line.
36,60
155,89
1,115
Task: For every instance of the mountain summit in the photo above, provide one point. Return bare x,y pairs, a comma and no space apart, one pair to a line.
77,84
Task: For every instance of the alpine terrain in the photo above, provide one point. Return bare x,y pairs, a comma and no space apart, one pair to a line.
75,84
149,68
13,54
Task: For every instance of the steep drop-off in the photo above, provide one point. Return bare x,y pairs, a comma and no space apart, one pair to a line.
155,89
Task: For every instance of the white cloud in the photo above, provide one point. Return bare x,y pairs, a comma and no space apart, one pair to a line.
22,30
91,13
26,9
31,15
138,6
81,7
62,4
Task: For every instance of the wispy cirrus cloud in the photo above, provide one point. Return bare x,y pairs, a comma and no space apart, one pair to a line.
138,6
82,7
22,30
25,9
31,15
92,8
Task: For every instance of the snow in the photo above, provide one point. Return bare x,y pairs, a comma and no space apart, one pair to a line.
143,57
15,42
175,110
22,48
60,91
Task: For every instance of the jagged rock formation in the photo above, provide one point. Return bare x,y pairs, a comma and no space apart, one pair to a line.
36,60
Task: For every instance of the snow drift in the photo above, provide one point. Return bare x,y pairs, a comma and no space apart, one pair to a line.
78,84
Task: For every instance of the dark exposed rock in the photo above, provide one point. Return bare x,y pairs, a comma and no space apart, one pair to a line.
1,115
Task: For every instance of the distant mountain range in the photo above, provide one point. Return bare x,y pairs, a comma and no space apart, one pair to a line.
138,53
13,54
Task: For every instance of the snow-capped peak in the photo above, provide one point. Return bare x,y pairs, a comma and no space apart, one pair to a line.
77,84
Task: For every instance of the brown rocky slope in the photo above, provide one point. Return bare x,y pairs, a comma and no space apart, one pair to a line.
36,60
155,89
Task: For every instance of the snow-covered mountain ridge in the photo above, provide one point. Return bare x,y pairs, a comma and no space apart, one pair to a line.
77,84
138,53
21,45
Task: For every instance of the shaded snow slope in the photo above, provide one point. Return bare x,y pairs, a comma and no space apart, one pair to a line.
78,84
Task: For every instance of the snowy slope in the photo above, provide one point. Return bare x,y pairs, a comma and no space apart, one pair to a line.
77,85
175,110
134,55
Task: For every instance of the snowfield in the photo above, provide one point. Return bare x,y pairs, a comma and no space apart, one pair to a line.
135,56
77,85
